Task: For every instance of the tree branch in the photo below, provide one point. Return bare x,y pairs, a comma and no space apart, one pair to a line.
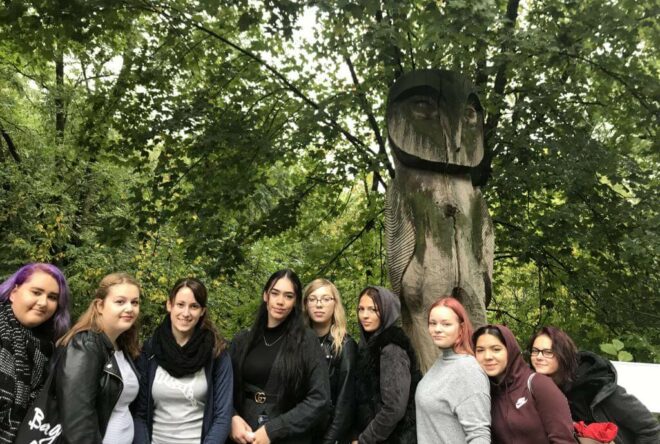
619,78
499,311
181,16
382,152
501,78
367,226
40,81
10,146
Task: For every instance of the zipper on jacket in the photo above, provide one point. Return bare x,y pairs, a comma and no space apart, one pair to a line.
118,376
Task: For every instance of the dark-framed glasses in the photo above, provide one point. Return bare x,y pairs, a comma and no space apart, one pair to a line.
325,300
545,352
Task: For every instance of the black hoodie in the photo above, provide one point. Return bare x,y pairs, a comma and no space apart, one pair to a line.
594,396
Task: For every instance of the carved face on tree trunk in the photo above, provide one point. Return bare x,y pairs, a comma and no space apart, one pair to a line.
436,116
438,231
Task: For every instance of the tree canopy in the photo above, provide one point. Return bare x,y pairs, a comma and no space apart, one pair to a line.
226,139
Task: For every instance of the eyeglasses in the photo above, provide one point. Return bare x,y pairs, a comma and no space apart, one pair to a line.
325,300
547,353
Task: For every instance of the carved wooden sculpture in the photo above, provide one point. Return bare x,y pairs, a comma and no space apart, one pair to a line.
439,232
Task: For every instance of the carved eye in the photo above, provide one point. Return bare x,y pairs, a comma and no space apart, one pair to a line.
470,115
423,108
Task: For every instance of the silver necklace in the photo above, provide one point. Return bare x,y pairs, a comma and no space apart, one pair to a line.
274,342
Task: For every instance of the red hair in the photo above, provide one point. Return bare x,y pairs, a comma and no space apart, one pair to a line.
463,343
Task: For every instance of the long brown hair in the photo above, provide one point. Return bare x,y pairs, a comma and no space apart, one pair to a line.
201,296
565,354
89,320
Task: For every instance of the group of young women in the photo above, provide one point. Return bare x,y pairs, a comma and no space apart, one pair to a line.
295,376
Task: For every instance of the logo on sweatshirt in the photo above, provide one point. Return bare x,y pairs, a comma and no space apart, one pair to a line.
521,402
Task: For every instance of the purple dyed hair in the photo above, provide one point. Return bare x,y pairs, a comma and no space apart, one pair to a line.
61,318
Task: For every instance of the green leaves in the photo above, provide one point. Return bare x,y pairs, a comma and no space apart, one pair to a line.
615,348
183,153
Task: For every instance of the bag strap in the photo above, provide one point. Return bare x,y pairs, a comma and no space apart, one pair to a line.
529,384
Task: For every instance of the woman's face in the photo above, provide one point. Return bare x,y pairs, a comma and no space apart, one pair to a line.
542,363
280,300
321,306
119,310
368,314
35,300
492,355
185,312
444,327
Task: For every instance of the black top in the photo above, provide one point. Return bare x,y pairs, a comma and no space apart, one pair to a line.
595,396
259,360
291,421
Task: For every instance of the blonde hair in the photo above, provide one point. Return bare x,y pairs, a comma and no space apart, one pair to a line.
89,320
338,322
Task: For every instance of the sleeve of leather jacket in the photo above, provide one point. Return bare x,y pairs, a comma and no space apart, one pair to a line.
553,410
316,404
141,431
627,411
342,416
394,392
77,379
223,406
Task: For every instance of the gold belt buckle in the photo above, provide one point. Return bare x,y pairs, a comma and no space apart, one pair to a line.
259,397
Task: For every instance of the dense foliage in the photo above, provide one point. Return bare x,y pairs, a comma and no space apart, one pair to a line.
226,139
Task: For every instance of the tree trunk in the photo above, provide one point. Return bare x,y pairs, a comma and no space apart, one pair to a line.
60,116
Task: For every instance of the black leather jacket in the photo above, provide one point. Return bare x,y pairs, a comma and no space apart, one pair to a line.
342,389
88,384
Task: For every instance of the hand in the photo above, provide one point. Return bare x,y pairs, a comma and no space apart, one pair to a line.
260,436
355,441
241,432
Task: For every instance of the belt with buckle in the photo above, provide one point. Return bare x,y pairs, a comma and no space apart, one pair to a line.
260,397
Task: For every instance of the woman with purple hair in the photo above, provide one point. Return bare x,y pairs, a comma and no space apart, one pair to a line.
34,313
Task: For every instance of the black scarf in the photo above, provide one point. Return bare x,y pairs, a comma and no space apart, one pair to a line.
23,362
181,361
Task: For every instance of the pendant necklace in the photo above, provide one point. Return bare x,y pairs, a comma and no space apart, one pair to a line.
272,343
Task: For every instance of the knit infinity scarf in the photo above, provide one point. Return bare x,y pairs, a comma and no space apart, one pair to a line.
180,361
23,361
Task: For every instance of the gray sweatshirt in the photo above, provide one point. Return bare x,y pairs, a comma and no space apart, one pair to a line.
453,402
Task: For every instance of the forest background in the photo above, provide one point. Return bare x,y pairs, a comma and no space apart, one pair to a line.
228,139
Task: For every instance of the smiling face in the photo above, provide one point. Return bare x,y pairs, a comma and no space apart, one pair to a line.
492,355
35,300
119,309
368,314
320,305
444,327
185,312
280,300
541,362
